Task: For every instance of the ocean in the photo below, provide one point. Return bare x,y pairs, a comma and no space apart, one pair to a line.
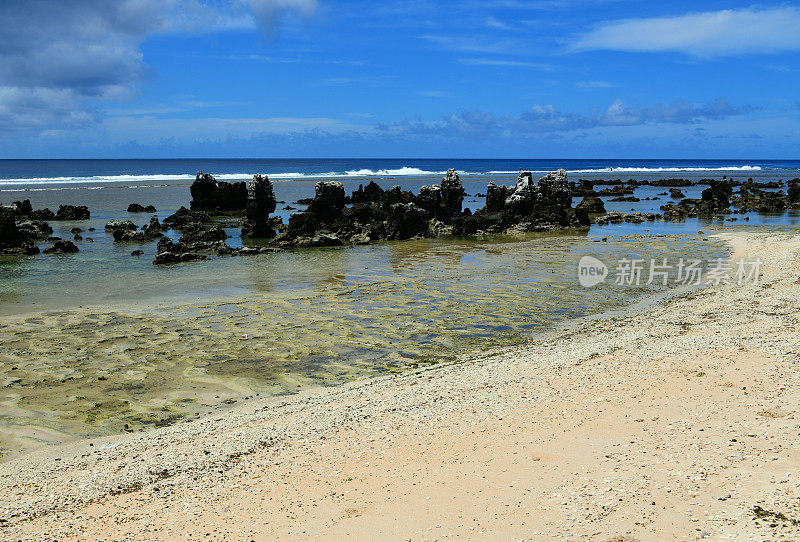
37,174
93,276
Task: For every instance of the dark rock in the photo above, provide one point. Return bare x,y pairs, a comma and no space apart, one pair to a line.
496,196
136,208
718,195
137,252
794,191
555,189
72,212
676,193
210,194
430,199
396,195
714,201
18,239
260,203
452,192
435,210
407,220
325,239
42,214
173,257
163,258
9,233
61,247
184,218
372,193
114,225
125,230
328,200
583,189
23,208
204,235
632,199
678,183
616,217
35,229
591,204
751,198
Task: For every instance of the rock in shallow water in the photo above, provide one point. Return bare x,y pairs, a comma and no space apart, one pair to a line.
210,194
261,202
72,212
592,204
137,208
62,246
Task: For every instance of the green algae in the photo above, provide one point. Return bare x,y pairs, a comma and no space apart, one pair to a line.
371,310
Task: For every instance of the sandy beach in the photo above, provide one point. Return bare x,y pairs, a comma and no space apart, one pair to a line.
675,420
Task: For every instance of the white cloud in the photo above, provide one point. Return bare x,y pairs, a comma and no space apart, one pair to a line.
60,58
505,63
546,119
707,34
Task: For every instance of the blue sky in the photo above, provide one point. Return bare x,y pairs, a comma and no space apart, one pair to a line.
415,78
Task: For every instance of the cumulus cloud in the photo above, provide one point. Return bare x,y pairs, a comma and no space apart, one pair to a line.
60,57
706,34
546,119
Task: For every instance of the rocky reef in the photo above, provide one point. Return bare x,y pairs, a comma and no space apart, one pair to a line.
126,230
377,214
752,197
528,206
714,200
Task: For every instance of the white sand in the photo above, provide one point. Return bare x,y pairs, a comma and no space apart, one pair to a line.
668,425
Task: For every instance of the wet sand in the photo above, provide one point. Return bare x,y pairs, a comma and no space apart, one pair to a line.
101,370
670,424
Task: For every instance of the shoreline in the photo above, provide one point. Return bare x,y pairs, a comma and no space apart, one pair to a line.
184,459
122,380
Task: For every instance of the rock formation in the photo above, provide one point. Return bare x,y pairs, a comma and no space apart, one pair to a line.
377,214
137,208
14,240
260,203
62,246
212,195
72,212
591,204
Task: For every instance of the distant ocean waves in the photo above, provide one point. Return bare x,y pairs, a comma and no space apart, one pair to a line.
355,173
